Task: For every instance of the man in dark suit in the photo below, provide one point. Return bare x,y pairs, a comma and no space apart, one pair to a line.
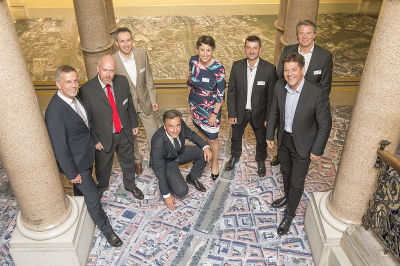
113,124
302,111
250,91
67,123
318,61
168,151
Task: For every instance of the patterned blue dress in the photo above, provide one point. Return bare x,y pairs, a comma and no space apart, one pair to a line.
207,88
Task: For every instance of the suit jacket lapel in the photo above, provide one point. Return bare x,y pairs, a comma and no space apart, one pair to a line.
282,103
243,72
100,93
313,59
137,66
68,108
302,99
117,92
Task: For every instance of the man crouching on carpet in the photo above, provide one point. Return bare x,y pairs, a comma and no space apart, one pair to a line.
168,151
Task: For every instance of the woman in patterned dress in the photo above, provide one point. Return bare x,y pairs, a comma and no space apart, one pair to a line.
206,90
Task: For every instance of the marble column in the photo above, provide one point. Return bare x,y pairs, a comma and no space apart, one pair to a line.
333,218
93,32
280,26
375,117
111,22
25,147
297,11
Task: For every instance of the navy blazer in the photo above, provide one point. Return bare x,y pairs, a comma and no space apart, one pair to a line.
319,70
163,151
261,95
71,139
312,120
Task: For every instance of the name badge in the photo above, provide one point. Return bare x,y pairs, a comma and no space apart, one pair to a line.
317,72
125,101
261,82
205,80
142,70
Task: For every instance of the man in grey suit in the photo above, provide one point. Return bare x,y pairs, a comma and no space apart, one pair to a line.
318,61
302,111
67,123
113,123
134,64
251,87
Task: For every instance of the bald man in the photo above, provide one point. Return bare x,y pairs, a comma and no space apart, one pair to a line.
113,124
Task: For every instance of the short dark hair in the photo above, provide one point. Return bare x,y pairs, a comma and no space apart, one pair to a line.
122,29
294,57
171,114
253,38
306,22
205,39
64,69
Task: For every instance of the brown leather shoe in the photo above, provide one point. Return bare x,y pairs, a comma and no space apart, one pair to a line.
138,168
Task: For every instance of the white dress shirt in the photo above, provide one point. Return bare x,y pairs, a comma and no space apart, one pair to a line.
69,102
130,66
103,85
251,75
307,57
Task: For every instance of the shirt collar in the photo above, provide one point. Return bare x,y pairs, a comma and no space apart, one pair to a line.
309,52
124,59
255,65
103,85
299,88
169,137
65,99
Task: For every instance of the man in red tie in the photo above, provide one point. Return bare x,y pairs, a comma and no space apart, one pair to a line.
113,123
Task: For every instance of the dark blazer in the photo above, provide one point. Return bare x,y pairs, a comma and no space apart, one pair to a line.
72,142
101,122
319,69
163,151
261,96
312,120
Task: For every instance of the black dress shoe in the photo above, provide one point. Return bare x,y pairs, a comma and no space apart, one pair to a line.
279,203
261,171
275,161
113,239
196,183
284,227
136,192
231,163
214,177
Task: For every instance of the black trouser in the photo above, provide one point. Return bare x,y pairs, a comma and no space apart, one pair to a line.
90,194
294,170
104,161
260,134
175,180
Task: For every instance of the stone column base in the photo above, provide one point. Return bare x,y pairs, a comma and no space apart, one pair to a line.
70,248
334,243
324,239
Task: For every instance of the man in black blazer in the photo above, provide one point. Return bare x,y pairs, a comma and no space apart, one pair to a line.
168,151
302,111
113,124
318,61
67,123
250,91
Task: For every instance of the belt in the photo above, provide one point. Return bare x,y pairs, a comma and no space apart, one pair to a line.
288,133
248,110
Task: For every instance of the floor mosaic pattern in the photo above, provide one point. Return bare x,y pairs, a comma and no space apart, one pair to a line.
170,41
231,224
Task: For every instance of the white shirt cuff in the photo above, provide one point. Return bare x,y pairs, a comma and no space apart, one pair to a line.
166,196
206,147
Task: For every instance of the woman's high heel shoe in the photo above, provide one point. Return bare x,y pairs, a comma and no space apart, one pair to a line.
214,177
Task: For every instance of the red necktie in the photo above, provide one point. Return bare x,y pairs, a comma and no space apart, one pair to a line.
116,121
